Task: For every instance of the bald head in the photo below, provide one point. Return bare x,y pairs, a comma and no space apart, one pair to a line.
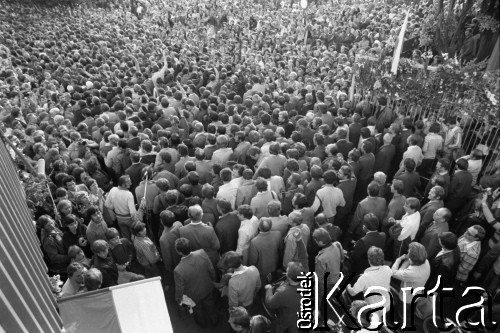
387,139
195,213
265,224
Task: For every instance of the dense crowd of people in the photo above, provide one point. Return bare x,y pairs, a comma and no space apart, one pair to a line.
218,144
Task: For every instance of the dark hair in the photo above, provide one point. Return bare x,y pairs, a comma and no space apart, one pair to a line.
182,246
371,222
330,177
448,240
410,164
373,189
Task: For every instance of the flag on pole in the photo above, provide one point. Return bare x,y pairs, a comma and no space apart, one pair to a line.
399,47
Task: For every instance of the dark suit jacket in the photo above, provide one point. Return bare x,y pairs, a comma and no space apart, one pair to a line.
265,252
227,231
344,147
355,133
194,276
411,181
134,143
445,265
134,171
359,257
430,238
383,158
347,187
461,185
366,164
373,205
426,215
202,236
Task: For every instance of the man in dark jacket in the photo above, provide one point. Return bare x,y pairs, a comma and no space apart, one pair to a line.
285,300
460,187
445,264
385,155
366,164
343,146
134,171
194,277
359,257
410,178
227,227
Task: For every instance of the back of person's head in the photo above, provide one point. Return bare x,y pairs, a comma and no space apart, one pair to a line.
373,189
375,256
417,254
367,147
330,177
323,236
265,224
261,184
398,186
462,164
274,208
300,200
448,240
195,213
226,175
208,191
182,246
410,164
233,259
167,218
245,211
371,222
224,206
92,279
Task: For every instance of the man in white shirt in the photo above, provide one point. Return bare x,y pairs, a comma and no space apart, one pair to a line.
121,207
409,225
247,231
229,189
413,151
378,275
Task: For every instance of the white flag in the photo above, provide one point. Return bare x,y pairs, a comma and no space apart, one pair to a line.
399,47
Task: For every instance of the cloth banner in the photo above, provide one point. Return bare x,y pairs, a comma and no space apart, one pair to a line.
128,308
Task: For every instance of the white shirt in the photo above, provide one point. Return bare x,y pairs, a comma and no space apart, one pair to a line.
228,191
379,276
121,201
247,231
410,224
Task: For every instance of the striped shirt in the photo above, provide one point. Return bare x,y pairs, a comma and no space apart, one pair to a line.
469,254
146,251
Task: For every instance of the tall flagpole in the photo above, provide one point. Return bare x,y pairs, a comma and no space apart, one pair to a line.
399,47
